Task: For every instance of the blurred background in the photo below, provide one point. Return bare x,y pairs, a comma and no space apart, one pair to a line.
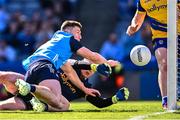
26,24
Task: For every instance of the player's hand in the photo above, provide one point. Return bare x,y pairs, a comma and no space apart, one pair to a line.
104,69
113,63
122,94
92,92
131,30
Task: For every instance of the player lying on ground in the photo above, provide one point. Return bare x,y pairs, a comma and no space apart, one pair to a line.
42,66
70,91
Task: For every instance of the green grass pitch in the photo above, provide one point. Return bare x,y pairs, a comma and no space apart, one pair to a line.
84,111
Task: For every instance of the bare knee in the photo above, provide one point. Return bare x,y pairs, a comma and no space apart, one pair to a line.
66,106
163,66
9,77
3,76
63,106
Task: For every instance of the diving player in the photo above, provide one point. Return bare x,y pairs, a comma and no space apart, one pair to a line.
70,91
42,66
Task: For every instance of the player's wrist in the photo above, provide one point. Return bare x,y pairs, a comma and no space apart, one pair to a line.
94,67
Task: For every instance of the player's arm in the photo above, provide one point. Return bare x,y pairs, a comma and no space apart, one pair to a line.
92,56
77,48
137,20
103,69
84,52
73,77
95,58
136,23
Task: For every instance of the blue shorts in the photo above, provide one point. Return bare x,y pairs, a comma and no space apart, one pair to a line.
159,43
178,47
40,71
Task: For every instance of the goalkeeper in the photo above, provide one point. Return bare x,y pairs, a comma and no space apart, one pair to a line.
70,92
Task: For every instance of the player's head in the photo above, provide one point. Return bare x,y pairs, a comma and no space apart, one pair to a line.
72,27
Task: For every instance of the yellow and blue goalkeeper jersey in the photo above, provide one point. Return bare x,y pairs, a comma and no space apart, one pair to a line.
156,10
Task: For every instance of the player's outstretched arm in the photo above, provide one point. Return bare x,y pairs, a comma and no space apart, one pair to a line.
92,56
136,23
73,77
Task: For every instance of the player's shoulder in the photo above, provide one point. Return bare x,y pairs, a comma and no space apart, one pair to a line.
61,34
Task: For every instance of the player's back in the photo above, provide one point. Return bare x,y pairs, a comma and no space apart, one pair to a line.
156,11
57,50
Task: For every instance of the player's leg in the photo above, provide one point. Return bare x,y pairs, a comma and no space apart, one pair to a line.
13,103
46,92
56,100
121,95
8,79
161,55
48,88
65,103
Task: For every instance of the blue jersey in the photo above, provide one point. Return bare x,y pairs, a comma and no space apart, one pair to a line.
57,50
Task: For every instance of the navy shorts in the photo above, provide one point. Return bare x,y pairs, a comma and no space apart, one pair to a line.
40,71
159,43
178,47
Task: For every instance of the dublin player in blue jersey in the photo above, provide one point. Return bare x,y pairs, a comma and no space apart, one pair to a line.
42,65
69,91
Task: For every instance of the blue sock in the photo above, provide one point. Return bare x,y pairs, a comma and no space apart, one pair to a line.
164,100
33,88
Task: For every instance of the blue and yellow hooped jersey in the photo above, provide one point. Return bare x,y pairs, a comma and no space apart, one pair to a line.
156,10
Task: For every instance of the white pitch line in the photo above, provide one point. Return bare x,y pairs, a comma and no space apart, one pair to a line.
142,117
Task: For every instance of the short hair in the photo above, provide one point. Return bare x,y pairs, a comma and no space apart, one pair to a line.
70,23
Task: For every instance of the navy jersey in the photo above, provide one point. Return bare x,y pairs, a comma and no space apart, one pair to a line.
70,91
57,50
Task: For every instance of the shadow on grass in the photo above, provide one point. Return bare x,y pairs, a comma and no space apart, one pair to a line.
79,110
103,110
177,112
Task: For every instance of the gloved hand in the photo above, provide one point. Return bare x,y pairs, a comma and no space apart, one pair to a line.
103,69
122,94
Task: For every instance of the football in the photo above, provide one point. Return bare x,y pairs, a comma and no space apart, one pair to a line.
140,55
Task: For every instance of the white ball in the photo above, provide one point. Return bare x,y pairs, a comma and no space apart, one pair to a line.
140,55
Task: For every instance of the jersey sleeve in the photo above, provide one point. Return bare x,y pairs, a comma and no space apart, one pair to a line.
81,65
75,44
139,7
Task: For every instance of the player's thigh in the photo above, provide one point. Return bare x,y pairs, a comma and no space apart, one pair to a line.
13,103
161,55
10,76
53,85
160,48
8,79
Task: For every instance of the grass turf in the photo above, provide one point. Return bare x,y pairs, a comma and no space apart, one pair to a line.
85,111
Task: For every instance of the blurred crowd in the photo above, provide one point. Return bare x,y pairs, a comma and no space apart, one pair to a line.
118,45
22,33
